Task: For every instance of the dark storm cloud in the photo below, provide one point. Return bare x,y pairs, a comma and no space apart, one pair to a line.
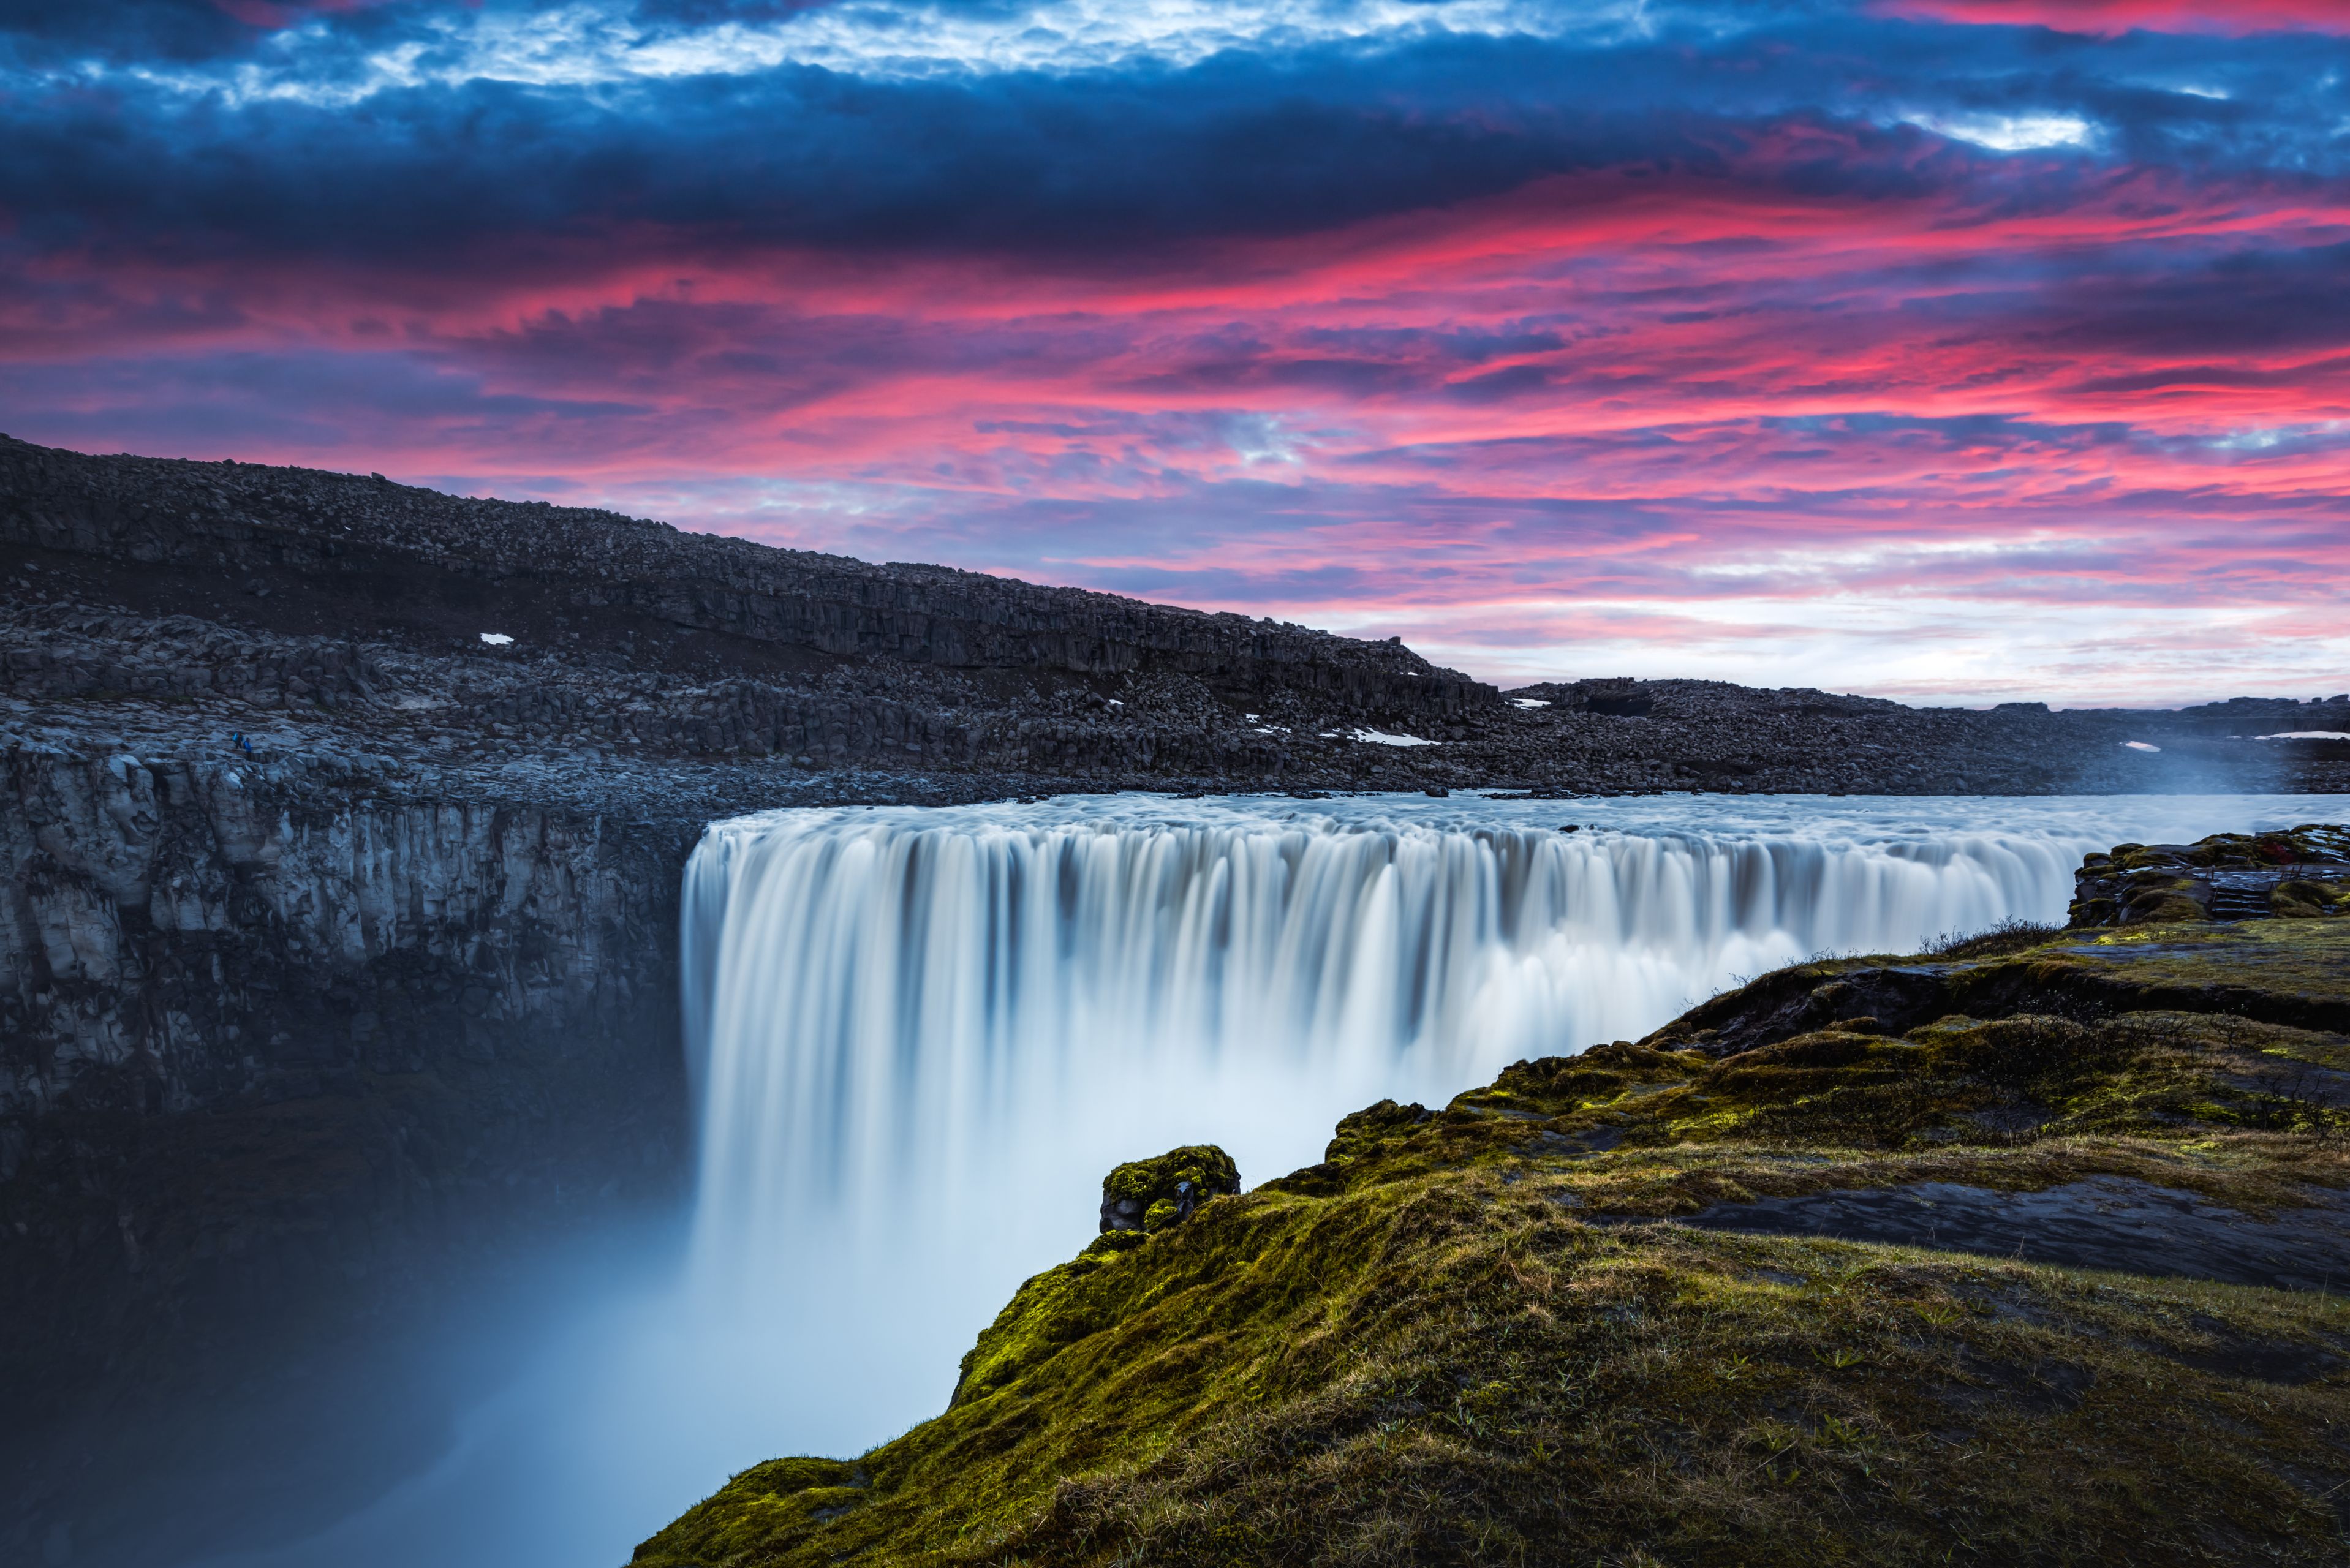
1274,142
798,155
132,30
47,34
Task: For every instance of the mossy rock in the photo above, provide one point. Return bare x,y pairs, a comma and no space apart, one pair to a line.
2218,877
781,1496
2301,899
1366,1129
2163,906
1149,1195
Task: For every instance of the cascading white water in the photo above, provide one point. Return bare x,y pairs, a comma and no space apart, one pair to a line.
913,1016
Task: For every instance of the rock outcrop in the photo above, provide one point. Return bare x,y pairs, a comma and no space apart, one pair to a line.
1145,1195
277,1062
2303,873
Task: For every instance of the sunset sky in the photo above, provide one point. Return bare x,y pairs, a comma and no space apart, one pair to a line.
1956,350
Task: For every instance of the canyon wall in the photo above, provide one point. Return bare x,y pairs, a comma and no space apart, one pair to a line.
275,1067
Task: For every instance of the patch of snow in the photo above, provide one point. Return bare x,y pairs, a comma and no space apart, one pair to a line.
1118,703
1529,703
2307,735
496,638
2140,746
1381,738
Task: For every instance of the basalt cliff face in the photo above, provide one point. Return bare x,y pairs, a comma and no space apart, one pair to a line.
277,1062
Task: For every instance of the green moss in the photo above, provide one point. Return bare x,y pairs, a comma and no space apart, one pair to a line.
1444,1343
778,1497
1180,1178
2302,899
1365,1130
2140,884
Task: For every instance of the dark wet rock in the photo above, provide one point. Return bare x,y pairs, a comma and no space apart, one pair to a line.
2106,1223
2229,875
282,1054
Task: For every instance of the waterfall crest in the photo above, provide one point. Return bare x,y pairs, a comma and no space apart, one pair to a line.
934,1016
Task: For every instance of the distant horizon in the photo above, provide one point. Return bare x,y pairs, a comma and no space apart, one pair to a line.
1957,351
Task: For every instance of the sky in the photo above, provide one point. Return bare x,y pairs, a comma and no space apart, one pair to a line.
1954,350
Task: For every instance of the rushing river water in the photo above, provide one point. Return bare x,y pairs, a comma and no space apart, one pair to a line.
919,1037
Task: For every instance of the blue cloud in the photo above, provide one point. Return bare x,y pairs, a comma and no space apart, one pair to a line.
1265,138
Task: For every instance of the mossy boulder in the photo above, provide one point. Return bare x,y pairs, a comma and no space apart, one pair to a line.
1366,1129
1149,1195
2165,902
1140,1199
2227,876
2303,898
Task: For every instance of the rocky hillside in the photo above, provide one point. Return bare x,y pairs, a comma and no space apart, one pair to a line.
2026,1251
345,612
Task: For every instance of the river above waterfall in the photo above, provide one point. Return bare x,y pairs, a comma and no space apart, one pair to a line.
917,1037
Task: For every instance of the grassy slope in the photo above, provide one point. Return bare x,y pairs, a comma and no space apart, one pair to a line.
1431,1348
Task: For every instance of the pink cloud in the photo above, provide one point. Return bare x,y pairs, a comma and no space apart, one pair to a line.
2111,16
1689,398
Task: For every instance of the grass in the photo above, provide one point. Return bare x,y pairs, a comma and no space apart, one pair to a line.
1473,1335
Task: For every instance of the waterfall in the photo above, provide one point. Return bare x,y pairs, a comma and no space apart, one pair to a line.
955,1020
919,1037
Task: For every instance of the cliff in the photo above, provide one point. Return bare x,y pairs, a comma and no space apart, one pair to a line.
2022,1251
280,1055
